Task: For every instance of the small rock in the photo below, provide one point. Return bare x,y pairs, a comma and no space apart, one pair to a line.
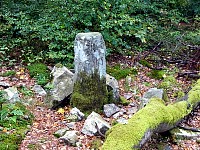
4,84
128,80
70,137
152,92
117,115
71,125
122,121
128,95
123,110
26,117
132,110
133,104
113,84
61,132
110,109
184,134
12,94
78,144
72,118
92,121
14,79
39,90
78,113
62,84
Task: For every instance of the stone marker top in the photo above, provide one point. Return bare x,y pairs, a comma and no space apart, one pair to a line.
88,34
90,52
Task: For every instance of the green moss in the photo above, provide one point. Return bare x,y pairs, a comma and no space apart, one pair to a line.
168,83
110,95
178,94
165,96
171,79
40,72
37,68
120,73
59,65
11,141
145,63
156,74
89,93
124,101
96,144
194,94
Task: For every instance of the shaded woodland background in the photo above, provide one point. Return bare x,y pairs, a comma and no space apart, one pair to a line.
155,30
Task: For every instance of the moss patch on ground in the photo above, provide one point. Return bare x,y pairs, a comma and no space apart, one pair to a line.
40,72
156,74
125,137
119,73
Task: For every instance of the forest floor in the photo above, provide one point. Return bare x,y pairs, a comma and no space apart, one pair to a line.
46,121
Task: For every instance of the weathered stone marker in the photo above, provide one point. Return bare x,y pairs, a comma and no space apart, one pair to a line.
89,92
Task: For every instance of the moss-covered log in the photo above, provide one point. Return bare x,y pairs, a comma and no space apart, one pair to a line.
156,117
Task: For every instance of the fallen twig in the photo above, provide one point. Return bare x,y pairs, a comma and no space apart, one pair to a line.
189,128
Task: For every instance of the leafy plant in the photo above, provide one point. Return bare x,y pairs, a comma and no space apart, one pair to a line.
26,92
12,117
45,30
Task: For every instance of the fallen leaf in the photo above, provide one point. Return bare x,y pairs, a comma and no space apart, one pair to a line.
61,111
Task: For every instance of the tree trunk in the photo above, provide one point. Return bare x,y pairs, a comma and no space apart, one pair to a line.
89,92
156,117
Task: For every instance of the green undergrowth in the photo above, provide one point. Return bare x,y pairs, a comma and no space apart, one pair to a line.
120,72
14,121
40,72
